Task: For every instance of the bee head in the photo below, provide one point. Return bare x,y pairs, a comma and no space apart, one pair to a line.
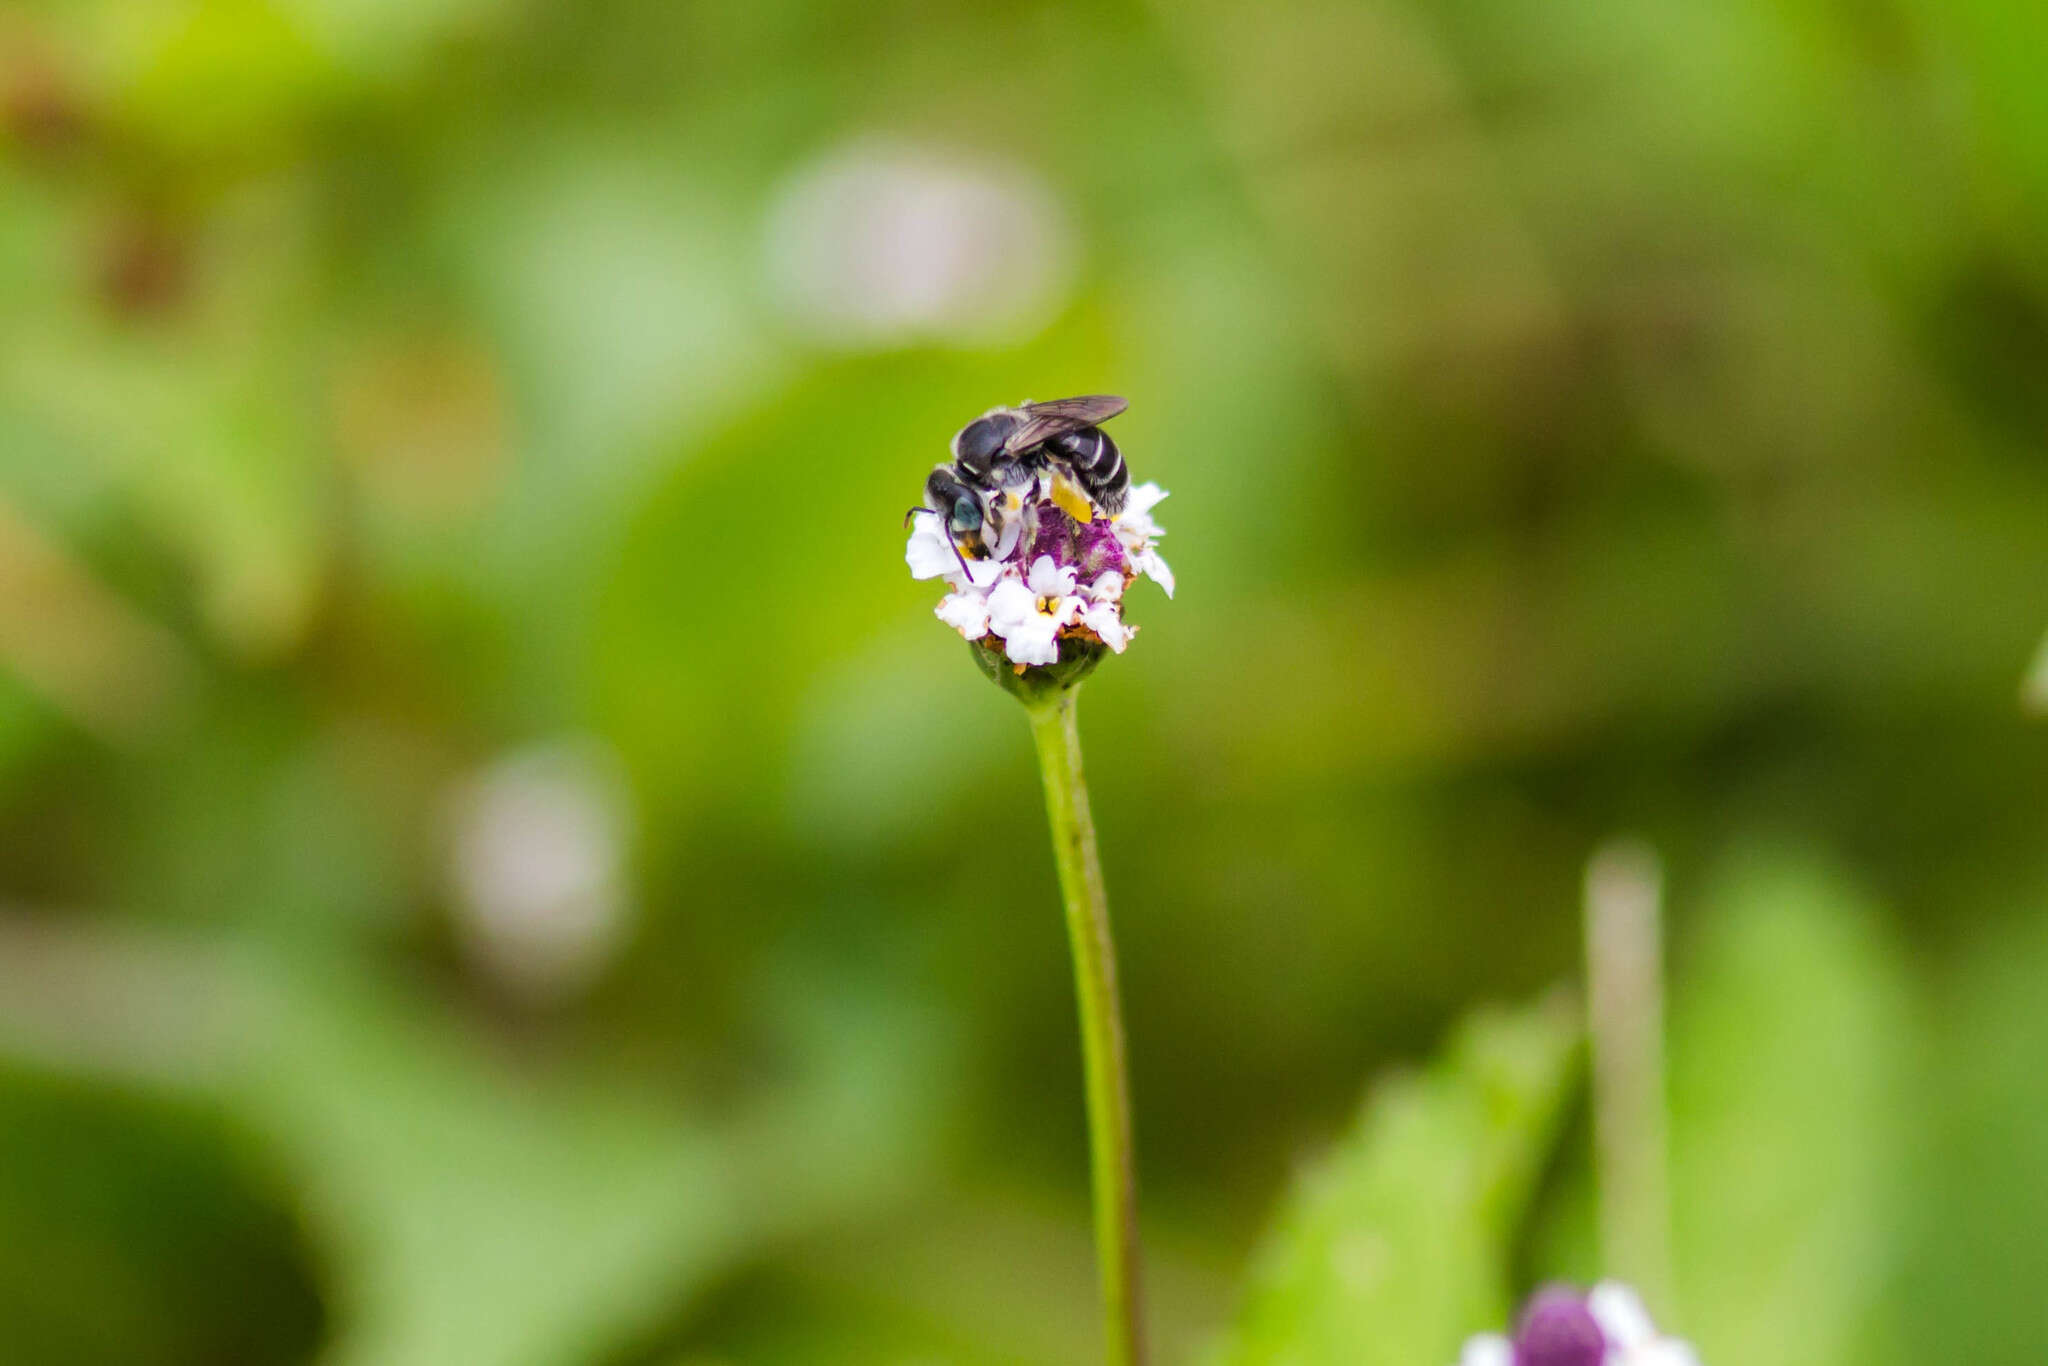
953,501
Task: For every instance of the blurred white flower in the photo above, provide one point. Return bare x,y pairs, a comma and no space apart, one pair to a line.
1488,1349
878,243
538,857
1620,1313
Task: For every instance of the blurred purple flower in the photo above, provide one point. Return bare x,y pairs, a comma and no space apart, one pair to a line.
1561,1327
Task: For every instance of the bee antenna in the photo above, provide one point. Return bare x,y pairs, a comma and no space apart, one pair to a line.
912,513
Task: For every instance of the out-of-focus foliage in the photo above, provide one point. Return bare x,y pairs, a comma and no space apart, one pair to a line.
1973,1252
1792,1114
497,862
1393,1248
1797,1096
464,1209
1794,1103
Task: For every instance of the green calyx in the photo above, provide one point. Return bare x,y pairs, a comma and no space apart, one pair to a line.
1038,685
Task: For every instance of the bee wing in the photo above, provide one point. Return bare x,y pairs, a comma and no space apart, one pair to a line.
1043,421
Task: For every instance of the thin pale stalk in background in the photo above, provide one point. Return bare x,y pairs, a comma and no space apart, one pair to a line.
1625,1009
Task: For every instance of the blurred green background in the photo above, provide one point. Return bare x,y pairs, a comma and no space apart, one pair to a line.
499,865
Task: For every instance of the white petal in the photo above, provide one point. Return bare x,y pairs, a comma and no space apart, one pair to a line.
1108,586
929,554
983,573
1010,606
1032,642
1619,1312
1035,650
966,613
1143,498
1488,1349
1152,567
1104,620
1048,580
1135,528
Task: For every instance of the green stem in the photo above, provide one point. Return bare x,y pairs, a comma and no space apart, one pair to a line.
1102,1031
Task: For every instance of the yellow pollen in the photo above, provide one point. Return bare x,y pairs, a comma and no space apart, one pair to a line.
1072,501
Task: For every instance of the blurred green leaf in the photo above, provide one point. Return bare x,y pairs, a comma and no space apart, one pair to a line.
471,1213
1394,1248
462,1204
232,74
1977,1260
141,1231
1792,1038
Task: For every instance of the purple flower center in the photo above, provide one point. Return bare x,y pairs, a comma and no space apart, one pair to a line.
1558,1330
1091,550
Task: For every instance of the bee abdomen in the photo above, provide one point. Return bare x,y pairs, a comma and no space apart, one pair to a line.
1097,465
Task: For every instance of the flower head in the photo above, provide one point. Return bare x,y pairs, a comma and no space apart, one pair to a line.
1046,591
1561,1327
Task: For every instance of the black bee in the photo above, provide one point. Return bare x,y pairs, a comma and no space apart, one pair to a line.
1005,446
1001,454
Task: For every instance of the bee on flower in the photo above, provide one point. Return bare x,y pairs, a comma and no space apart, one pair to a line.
1037,530
1606,1326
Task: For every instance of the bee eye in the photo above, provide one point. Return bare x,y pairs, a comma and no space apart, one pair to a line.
966,514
